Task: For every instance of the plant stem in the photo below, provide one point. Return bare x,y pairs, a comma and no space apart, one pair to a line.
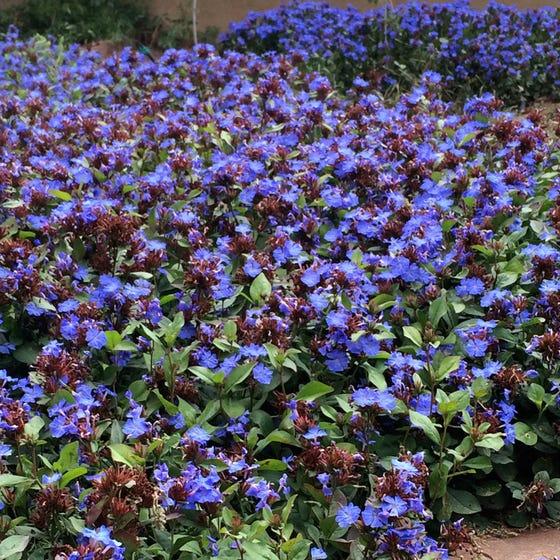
239,548
194,22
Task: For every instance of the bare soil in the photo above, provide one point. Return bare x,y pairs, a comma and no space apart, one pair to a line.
537,544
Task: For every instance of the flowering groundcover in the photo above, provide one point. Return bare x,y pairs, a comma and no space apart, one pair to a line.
514,53
245,316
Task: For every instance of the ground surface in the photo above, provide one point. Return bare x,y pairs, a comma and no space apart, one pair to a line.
540,544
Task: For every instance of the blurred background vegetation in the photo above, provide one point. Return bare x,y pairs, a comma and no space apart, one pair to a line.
89,21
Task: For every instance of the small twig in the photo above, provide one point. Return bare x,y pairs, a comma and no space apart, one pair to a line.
194,22
478,550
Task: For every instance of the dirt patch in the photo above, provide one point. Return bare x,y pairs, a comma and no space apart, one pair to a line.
538,544
104,48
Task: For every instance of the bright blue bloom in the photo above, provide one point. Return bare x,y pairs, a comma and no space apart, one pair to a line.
348,515
198,434
318,554
470,287
96,338
374,397
262,374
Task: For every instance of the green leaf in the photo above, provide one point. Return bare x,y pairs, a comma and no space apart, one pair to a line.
299,551
313,391
122,453
113,338
210,410
413,334
125,346
13,545
463,503
72,475
425,424
448,409
482,463
168,298
192,547
12,480
481,388
238,375
63,195
272,465
188,412
260,288
553,510
375,376
207,375
438,310
117,435
234,407
44,304
506,279
171,331
257,551
68,457
139,390
536,394
170,408
460,399
34,427
346,301
447,365
230,330
287,509
27,353
488,488
278,436
467,138
438,481
518,519
525,434
491,441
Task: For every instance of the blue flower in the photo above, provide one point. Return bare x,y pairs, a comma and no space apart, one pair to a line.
372,517
5,450
348,515
136,426
51,479
252,268
198,434
102,535
336,361
262,374
318,554
96,338
374,397
154,313
206,358
311,277
314,433
470,287
393,506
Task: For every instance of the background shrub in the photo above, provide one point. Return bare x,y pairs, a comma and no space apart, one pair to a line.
502,49
79,20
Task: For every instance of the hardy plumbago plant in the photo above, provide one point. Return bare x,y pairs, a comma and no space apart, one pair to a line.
243,316
514,53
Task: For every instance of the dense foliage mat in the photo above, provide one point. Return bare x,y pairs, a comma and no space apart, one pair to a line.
511,52
246,317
